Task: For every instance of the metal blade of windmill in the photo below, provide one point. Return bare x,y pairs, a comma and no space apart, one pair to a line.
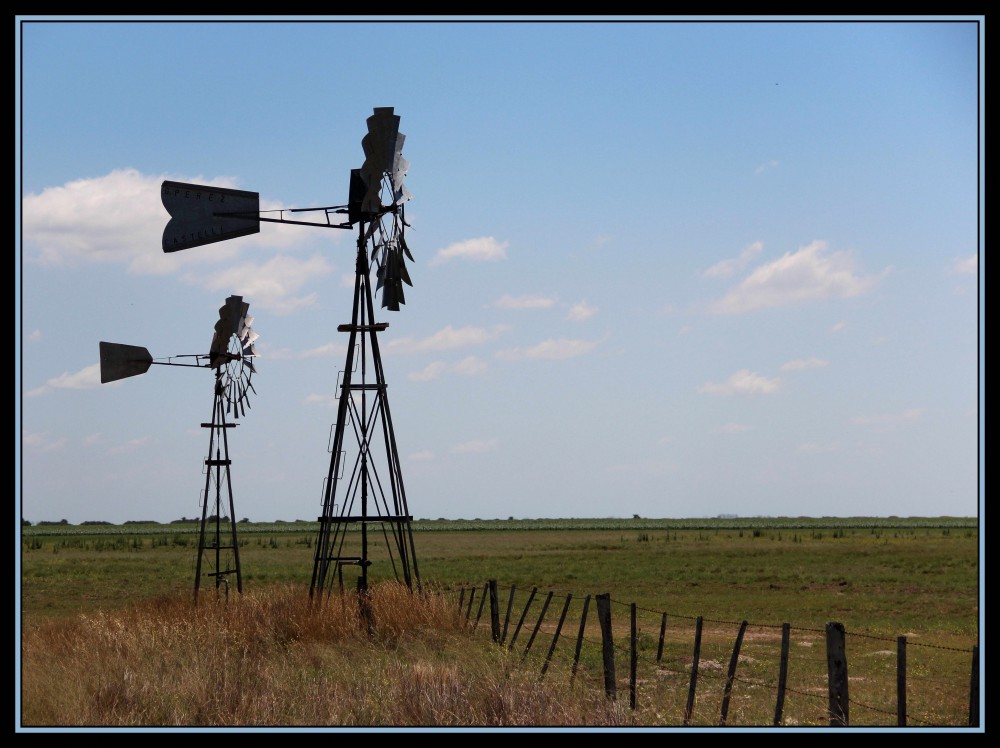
402,243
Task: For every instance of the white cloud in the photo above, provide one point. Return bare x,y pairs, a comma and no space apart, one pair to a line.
271,285
553,350
42,443
484,445
838,326
735,428
766,166
804,363
119,218
812,448
445,339
129,446
468,366
316,398
810,274
965,265
85,379
725,268
743,382
327,349
909,415
96,438
34,336
422,456
525,302
581,311
483,249
431,371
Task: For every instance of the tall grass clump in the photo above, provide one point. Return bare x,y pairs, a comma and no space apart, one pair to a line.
273,657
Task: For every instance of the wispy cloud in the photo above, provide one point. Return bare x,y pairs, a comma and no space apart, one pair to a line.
553,350
446,339
468,366
130,446
810,274
581,311
475,447
743,382
526,301
34,336
965,265
425,455
813,448
482,249
40,442
766,166
909,415
119,217
271,285
85,379
318,399
726,268
735,428
799,364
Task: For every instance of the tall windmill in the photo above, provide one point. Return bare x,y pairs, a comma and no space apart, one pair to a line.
231,357
363,497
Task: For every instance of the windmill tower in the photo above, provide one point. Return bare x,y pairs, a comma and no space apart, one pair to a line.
364,513
231,357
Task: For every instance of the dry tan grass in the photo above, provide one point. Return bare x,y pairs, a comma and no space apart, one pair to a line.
272,658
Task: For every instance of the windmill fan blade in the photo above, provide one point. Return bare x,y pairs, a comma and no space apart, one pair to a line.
402,243
120,361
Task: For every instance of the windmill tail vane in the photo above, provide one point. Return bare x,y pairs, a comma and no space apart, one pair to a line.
204,214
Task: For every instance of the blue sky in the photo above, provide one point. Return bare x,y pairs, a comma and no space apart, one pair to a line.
667,267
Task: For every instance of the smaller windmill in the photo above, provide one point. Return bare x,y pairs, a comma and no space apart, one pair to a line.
231,356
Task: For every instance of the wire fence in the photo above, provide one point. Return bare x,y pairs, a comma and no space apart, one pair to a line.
693,671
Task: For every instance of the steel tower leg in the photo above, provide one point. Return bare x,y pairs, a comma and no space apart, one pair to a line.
218,466
371,499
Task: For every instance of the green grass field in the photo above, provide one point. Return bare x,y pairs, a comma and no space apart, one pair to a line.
880,578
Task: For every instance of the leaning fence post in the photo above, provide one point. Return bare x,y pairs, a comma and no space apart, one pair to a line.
607,642
782,674
836,666
472,596
555,637
538,625
974,689
494,611
506,620
694,672
901,681
482,604
634,659
524,612
461,599
731,675
663,633
579,638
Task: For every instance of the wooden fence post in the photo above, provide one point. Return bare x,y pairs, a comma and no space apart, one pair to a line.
663,633
633,659
538,625
579,638
901,681
482,604
607,643
524,612
974,689
494,611
731,675
506,620
555,638
472,596
689,709
836,666
782,675
461,599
